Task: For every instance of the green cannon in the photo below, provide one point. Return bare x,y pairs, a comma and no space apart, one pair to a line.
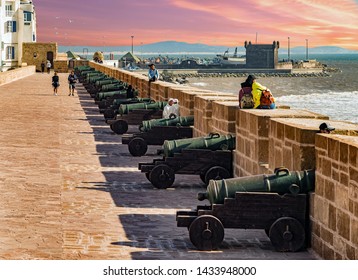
106,81
93,74
282,181
112,87
124,109
118,93
174,121
118,102
112,111
211,142
94,78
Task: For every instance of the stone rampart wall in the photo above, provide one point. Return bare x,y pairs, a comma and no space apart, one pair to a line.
16,74
334,209
266,139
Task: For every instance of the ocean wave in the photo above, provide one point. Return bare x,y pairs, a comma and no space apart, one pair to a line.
200,84
336,105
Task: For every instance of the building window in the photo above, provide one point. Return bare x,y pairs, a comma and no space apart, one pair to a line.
8,10
27,16
11,26
10,52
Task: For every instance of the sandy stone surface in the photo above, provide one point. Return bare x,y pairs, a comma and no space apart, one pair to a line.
70,190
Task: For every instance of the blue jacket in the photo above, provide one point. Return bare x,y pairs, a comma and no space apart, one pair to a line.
153,73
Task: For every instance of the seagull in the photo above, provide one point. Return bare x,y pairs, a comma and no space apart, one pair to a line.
70,20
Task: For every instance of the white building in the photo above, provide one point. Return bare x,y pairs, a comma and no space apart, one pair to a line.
17,25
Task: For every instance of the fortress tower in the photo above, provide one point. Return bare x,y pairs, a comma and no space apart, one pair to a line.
261,56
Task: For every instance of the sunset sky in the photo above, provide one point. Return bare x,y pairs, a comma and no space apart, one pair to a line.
226,22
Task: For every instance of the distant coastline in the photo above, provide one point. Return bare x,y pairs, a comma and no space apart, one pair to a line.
179,48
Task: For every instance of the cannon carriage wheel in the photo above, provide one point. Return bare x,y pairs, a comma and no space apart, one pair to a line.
216,173
109,113
103,104
119,127
206,232
137,147
287,234
162,176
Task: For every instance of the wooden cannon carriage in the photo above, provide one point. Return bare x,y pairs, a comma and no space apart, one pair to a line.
209,157
277,203
206,163
138,142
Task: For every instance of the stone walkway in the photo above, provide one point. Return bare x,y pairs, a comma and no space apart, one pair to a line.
70,190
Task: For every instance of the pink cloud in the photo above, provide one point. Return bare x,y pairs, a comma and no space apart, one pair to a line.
226,23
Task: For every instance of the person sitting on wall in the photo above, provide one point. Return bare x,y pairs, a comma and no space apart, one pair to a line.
262,96
153,74
246,100
325,128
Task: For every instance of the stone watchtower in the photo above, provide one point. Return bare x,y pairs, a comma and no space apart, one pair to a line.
260,56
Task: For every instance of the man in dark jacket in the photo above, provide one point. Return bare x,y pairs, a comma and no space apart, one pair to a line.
72,79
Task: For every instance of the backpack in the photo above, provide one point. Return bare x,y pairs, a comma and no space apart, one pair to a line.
246,98
266,98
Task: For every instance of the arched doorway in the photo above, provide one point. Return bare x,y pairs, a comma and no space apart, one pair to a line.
49,57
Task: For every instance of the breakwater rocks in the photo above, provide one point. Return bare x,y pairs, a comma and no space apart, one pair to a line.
182,78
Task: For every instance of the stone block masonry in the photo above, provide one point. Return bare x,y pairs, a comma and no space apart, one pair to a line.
224,116
292,141
203,113
334,214
252,137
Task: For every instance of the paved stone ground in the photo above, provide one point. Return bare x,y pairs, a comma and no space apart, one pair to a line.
70,190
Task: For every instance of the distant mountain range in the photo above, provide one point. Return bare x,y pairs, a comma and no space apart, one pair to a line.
182,47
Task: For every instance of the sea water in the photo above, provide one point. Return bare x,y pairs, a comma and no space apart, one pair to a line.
335,96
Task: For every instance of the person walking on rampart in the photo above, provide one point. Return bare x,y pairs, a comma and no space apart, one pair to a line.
48,65
72,79
43,67
55,83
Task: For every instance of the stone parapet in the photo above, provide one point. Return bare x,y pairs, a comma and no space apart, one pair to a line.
292,141
203,112
252,137
16,74
334,209
224,116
